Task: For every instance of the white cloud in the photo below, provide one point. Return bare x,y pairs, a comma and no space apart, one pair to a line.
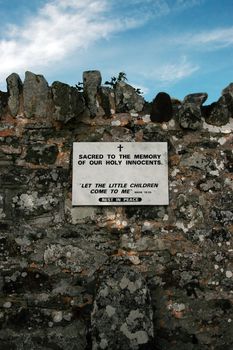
215,38
64,29
169,73
183,4
59,28
211,39
144,89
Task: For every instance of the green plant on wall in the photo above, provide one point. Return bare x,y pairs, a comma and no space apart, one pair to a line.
121,77
115,80
79,86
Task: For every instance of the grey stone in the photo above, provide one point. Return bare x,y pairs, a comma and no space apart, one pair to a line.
3,102
69,102
69,336
36,95
229,160
127,99
189,116
79,214
83,255
196,98
58,261
196,160
34,203
161,108
107,97
15,88
91,85
212,185
41,154
217,113
227,93
122,314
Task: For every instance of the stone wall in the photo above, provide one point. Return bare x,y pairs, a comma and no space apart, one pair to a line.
153,277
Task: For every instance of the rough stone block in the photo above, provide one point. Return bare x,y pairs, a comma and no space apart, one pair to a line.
91,86
189,116
127,99
161,110
42,154
79,214
122,314
69,103
35,95
15,88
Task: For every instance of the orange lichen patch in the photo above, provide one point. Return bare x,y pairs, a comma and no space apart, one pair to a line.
84,272
157,224
33,265
9,120
21,162
66,270
6,132
229,176
162,324
169,293
122,252
66,299
139,136
169,227
99,120
177,314
177,246
145,253
174,160
57,125
172,237
142,268
69,195
137,232
139,122
89,300
63,159
121,119
11,150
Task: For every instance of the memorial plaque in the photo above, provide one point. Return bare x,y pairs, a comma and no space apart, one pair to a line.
126,173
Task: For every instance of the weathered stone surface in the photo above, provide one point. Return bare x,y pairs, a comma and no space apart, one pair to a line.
161,108
127,99
75,258
3,102
196,98
41,154
70,275
189,116
34,203
220,112
69,103
15,88
229,160
91,86
227,93
217,113
54,336
190,112
197,160
35,95
78,215
107,100
122,315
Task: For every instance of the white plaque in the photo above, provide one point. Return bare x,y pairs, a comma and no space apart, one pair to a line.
120,173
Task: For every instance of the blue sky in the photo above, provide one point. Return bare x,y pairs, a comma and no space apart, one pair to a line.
177,46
